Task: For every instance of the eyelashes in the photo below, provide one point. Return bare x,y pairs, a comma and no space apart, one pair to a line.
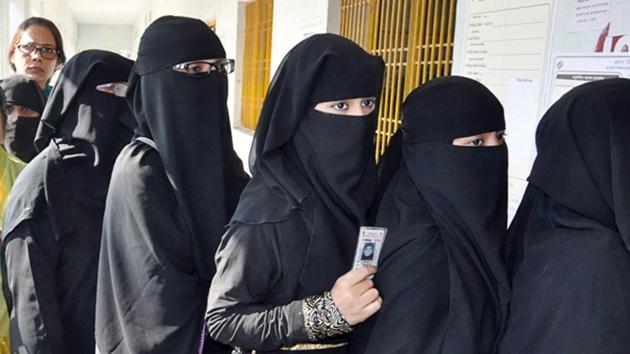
344,106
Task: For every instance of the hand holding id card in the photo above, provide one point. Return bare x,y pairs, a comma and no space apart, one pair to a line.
369,246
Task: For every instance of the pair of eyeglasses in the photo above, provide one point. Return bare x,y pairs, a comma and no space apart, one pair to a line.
201,68
118,89
45,51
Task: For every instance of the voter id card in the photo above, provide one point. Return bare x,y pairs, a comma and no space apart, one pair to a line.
369,247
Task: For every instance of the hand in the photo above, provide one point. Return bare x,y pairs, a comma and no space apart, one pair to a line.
355,296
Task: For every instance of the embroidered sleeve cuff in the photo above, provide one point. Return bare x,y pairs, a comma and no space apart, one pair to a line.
322,318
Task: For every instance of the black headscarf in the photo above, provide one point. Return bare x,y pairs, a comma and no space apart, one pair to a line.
301,157
193,139
569,243
19,134
184,140
88,127
67,184
445,209
584,155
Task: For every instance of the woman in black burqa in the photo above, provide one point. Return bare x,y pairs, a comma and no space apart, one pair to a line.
569,243
173,189
441,274
295,229
25,104
55,211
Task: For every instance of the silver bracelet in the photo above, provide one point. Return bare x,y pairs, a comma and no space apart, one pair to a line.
322,318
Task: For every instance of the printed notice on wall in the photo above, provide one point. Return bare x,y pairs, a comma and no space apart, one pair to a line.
570,71
589,15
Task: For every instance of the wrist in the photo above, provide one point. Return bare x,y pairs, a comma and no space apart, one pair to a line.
322,318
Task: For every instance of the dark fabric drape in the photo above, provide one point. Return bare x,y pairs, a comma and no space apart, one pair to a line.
441,275
568,247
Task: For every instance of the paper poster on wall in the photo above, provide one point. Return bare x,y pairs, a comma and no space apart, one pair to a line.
588,15
571,70
521,91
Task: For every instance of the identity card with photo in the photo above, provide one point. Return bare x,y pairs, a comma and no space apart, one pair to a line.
369,247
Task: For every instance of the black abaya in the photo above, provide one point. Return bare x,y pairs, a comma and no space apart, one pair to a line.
173,189
54,215
441,274
295,228
19,133
569,243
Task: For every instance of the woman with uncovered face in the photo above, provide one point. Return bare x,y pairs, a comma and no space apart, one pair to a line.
37,51
441,274
283,280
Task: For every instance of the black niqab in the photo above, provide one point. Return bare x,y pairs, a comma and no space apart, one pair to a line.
302,158
79,120
196,151
183,151
19,133
569,243
572,166
441,276
61,196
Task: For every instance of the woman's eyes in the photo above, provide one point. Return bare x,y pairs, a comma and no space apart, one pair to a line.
369,103
194,68
198,68
476,142
341,106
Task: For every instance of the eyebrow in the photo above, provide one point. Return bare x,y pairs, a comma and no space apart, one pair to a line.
39,44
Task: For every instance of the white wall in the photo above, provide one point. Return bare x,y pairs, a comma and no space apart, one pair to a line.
14,12
18,11
158,8
4,36
118,39
295,20
58,12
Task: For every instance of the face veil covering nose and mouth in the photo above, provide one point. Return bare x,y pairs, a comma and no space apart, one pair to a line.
55,212
20,132
333,154
441,272
313,181
172,192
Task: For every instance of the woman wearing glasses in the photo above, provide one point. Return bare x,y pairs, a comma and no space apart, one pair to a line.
37,51
173,189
